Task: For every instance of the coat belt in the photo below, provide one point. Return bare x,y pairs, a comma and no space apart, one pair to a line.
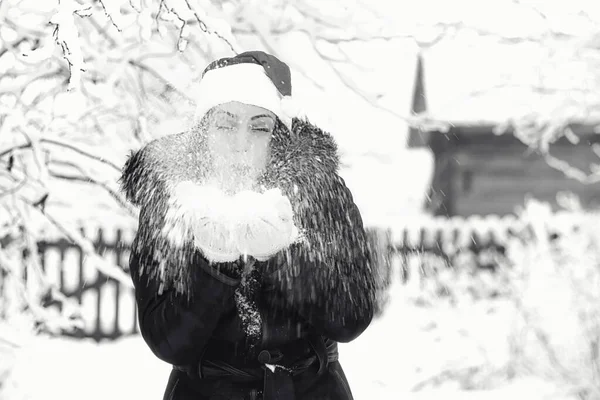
277,379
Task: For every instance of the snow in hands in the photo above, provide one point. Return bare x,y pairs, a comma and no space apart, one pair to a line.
227,227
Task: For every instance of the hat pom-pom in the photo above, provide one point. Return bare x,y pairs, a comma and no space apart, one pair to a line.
290,108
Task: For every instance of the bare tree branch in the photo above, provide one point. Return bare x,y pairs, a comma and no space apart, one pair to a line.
270,46
355,88
14,148
158,76
101,30
14,189
205,29
329,21
180,39
87,178
11,46
109,14
160,7
78,149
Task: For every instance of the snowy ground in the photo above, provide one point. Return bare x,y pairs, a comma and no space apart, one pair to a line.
399,352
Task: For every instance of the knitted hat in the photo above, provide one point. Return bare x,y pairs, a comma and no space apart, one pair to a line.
253,77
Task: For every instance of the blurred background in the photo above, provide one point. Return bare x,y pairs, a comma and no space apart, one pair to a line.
468,132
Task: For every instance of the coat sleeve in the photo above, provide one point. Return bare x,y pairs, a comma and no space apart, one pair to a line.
329,281
177,327
339,309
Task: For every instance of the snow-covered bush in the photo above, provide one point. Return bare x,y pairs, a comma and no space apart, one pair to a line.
380,240
460,278
555,286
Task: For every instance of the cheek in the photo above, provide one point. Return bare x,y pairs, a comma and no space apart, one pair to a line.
218,147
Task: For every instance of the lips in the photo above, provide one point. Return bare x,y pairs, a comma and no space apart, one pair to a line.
240,168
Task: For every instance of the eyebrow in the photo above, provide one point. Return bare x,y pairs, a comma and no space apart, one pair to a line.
229,114
260,116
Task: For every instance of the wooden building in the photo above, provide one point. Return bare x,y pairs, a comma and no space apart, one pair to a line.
478,172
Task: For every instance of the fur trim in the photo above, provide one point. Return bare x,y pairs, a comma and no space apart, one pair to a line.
149,176
335,253
304,165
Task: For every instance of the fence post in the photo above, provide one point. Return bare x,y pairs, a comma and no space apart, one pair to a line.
405,251
61,280
118,255
100,247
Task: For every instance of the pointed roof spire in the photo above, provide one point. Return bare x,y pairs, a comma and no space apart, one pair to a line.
416,137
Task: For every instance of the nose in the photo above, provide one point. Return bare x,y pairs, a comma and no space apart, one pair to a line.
241,140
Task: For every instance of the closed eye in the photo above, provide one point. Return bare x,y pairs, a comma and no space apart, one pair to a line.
262,123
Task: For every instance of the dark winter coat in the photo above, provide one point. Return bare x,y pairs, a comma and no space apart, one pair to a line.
308,297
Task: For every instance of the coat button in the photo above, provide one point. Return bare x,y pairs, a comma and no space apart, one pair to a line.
264,357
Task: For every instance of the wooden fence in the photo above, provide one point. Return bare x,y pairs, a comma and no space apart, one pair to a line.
109,309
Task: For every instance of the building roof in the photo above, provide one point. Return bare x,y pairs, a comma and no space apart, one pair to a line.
482,84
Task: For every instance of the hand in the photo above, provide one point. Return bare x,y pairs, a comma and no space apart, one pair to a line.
202,213
264,223
215,240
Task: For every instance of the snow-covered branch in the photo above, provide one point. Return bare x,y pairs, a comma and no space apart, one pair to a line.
155,74
208,25
81,150
88,177
571,171
112,9
67,36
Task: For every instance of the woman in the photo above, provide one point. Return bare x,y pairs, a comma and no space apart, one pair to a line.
251,261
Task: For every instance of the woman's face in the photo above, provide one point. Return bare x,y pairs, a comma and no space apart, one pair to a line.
238,137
